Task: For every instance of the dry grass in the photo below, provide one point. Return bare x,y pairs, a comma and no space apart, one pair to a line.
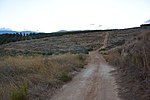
132,62
75,43
32,77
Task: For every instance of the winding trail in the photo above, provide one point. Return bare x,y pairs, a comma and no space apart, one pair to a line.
93,83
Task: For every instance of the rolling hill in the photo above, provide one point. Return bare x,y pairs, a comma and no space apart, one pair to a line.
32,59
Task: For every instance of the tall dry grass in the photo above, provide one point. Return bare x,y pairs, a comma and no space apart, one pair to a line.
132,63
36,77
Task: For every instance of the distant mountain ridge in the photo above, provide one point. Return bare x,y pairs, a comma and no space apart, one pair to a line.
7,30
148,21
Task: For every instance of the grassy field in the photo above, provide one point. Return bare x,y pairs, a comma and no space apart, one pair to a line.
36,77
34,69
75,43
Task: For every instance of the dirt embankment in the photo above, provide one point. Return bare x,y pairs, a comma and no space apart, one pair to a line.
132,61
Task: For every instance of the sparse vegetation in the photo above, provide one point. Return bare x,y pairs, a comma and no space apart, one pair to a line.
19,36
73,43
132,62
34,69
32,77
20,93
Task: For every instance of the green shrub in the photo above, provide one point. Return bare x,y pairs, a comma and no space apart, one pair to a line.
64,76
20,93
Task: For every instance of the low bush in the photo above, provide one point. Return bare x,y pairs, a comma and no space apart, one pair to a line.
20,93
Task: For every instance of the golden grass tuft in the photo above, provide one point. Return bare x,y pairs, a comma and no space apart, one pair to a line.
40,72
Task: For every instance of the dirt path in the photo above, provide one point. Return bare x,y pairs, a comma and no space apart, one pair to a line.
93,83
105,41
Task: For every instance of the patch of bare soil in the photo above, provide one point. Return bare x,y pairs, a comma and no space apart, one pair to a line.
93,83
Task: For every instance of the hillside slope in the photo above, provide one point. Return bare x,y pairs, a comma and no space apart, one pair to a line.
131,59
127,50
75,43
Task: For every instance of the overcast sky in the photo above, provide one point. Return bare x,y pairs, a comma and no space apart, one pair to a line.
54,15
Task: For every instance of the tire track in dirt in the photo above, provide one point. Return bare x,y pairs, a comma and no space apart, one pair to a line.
93,83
